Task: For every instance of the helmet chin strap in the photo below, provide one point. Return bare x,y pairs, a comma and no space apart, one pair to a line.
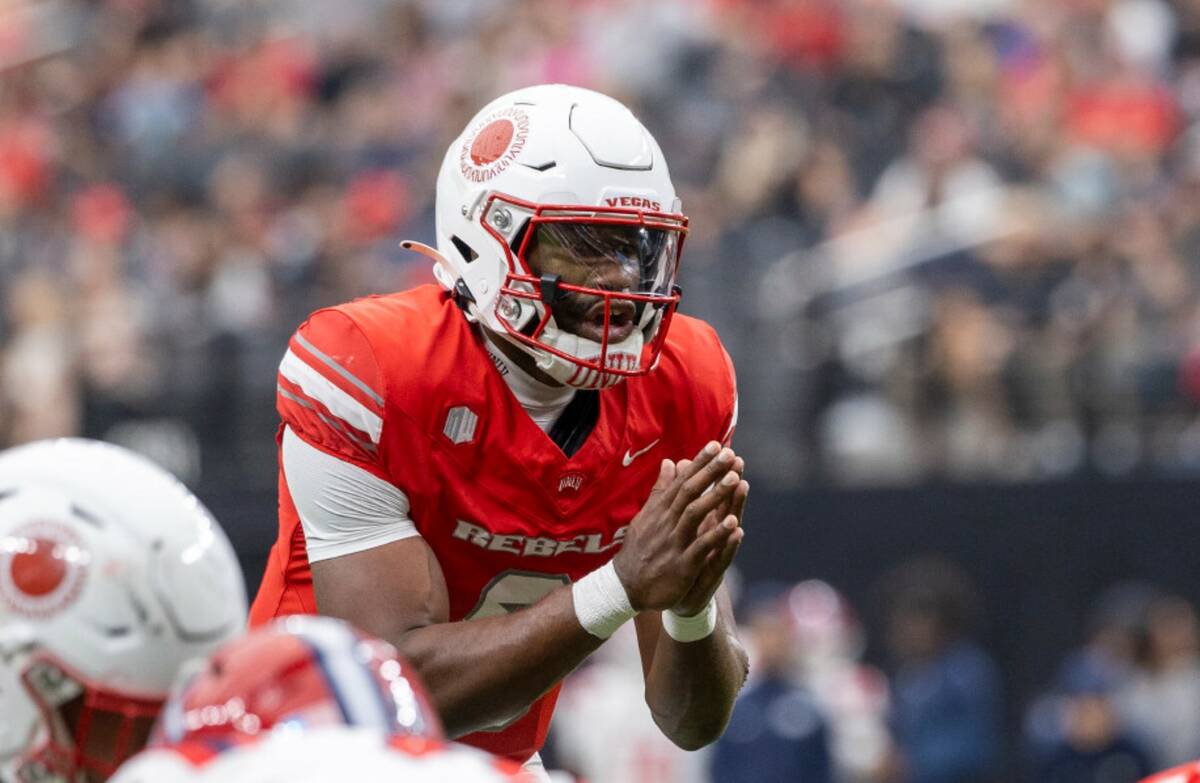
571,374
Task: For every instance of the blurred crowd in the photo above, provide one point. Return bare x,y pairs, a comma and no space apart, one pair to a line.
936,709
941,238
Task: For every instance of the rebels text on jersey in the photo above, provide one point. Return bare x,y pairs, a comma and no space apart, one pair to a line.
402,387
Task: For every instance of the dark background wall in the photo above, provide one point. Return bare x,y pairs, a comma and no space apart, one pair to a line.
1039,554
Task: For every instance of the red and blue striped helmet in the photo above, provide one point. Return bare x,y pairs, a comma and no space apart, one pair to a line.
303,672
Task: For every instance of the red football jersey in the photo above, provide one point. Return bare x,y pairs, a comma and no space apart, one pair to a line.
402,386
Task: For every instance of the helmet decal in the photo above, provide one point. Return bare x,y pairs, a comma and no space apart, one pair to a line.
636,202
43,566
494,144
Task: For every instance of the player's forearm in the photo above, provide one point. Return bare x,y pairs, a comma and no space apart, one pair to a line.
481,672
484,672
691,686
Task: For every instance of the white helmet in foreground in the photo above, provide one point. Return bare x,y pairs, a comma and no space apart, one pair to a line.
559,230
334,754
112,575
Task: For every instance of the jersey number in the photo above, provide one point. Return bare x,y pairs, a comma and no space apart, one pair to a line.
508,592
513,590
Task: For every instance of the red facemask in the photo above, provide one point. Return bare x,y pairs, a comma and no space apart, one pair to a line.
601,273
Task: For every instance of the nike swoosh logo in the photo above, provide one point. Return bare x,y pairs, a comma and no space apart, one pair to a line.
631,456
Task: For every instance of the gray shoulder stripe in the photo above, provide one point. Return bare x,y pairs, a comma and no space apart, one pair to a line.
336,425
339,369
302,403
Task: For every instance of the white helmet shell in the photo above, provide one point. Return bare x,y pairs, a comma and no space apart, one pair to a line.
340,753
159,765
112,575
549,146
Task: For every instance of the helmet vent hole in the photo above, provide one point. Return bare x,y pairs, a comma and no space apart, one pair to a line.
464,249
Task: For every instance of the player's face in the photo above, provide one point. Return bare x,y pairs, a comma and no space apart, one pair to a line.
611,258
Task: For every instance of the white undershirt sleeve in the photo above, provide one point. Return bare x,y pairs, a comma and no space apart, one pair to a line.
343,508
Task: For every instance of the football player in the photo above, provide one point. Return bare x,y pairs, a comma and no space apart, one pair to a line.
343,753
298,673
495,473
112,576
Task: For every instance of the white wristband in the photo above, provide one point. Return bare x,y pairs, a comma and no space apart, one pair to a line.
694,628
601,603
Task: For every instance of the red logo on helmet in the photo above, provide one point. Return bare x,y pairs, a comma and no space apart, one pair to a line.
492,146
42,569
36,571
492,142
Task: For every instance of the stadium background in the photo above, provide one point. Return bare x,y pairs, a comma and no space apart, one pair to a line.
952,245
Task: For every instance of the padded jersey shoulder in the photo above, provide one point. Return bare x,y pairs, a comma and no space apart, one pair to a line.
420,340
349,367
693,390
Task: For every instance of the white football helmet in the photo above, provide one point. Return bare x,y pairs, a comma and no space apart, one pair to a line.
335,753
559,230
112,575
166,764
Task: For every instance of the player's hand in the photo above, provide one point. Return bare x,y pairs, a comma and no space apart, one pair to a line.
663,554
729,515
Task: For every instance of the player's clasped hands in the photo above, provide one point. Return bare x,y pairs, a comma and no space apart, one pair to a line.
679,545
